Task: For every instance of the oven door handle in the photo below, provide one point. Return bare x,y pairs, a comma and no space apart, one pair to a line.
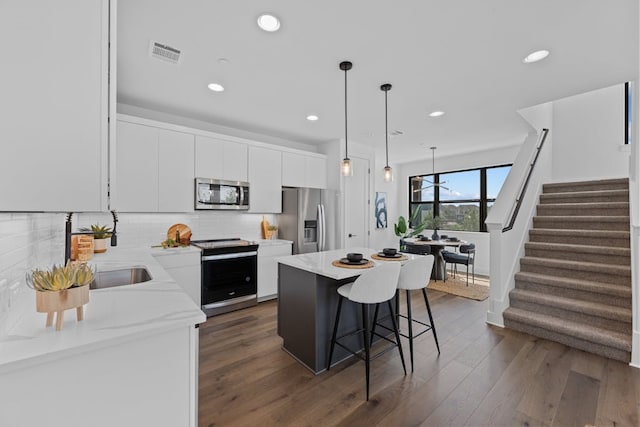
229,256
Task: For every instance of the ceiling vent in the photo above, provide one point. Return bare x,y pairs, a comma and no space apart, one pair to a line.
396,133
164,52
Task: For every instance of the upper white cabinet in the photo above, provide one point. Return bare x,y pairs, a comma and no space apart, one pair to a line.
220,159
300,170
54,105
265,180
154,169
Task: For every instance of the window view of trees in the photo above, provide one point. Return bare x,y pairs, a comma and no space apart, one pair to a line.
461,199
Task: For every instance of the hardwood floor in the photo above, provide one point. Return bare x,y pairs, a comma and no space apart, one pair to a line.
484,376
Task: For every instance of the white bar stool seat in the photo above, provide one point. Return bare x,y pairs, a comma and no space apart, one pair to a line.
373,286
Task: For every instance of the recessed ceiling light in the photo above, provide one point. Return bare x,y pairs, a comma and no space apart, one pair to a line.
436,114
536,56
216,87
312,117
269,23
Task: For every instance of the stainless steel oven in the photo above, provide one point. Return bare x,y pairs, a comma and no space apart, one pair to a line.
229,274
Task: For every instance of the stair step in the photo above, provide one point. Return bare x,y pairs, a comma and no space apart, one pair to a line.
584,253
596,340
598,185
595,313
610,238
586,290
584,209
598,272
572,222
586,196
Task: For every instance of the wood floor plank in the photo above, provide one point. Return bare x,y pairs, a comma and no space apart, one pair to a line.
579,401
485,376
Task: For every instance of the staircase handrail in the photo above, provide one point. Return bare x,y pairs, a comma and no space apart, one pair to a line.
523,190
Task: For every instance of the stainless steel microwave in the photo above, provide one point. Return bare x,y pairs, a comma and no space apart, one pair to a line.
220,194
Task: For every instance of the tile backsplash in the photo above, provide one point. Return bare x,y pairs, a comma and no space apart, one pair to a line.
29,240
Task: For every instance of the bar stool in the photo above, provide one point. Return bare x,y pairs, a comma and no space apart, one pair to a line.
374,286
415,274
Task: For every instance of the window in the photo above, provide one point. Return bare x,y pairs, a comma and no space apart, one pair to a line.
461,199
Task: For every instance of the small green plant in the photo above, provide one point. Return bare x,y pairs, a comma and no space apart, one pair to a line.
434,222
99,231
402,228
60,277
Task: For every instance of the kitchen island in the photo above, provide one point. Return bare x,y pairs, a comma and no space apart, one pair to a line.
307,304
133,360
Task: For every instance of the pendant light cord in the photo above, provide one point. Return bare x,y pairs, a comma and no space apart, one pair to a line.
386,128
346,139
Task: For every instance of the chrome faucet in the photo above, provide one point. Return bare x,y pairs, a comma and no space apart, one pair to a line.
68,233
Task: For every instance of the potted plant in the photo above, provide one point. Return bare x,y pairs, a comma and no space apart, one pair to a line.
403,230
100,235
272,231
61,288
434,223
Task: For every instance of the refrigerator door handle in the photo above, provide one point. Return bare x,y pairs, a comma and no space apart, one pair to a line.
321,228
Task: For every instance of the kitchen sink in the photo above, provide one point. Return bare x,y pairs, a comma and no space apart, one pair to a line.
120,277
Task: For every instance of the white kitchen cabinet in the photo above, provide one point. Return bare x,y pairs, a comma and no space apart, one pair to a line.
154,169
293,170
175,171
300,170
268,267
265,180
220,159
136,180
54,105
184,268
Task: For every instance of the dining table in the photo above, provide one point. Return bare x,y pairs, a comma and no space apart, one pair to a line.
437,246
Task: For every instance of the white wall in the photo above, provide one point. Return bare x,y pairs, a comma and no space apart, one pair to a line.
472,160
588,130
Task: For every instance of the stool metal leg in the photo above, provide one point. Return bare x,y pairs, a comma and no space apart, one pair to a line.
375,321
410,322
395,330
433,326
335,331
365,333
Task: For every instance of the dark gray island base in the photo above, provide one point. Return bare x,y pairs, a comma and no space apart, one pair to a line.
307,304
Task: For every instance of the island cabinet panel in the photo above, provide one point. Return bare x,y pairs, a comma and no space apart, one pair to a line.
265,180
220,159
54,105
154,169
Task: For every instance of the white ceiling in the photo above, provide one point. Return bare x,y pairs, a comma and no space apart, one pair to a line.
460,56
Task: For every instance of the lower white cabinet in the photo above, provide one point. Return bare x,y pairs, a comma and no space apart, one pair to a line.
268,267
184,268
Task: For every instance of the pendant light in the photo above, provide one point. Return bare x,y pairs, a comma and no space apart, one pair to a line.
345,166
388,174
433,172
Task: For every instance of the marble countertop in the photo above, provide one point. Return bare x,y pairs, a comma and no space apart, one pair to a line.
320,262
273,242
113,315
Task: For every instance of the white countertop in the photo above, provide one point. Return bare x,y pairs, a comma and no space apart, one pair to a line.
111,316
273,242
320,262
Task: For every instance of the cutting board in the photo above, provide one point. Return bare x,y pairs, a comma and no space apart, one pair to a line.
183,230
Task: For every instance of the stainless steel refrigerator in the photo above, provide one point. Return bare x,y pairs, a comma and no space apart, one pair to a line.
303,219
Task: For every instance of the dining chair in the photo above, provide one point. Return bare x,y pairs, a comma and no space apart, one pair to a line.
466,256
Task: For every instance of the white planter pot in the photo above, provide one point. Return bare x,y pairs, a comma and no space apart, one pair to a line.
99,246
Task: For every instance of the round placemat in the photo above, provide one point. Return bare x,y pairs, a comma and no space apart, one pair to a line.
337,263
384,258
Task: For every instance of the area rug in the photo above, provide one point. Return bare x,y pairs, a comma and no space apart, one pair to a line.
478,292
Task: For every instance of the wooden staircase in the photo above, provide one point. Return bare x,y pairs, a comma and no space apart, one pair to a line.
574,284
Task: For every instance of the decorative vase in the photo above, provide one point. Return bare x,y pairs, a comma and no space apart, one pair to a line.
99,246
51,302
402,245
435,236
